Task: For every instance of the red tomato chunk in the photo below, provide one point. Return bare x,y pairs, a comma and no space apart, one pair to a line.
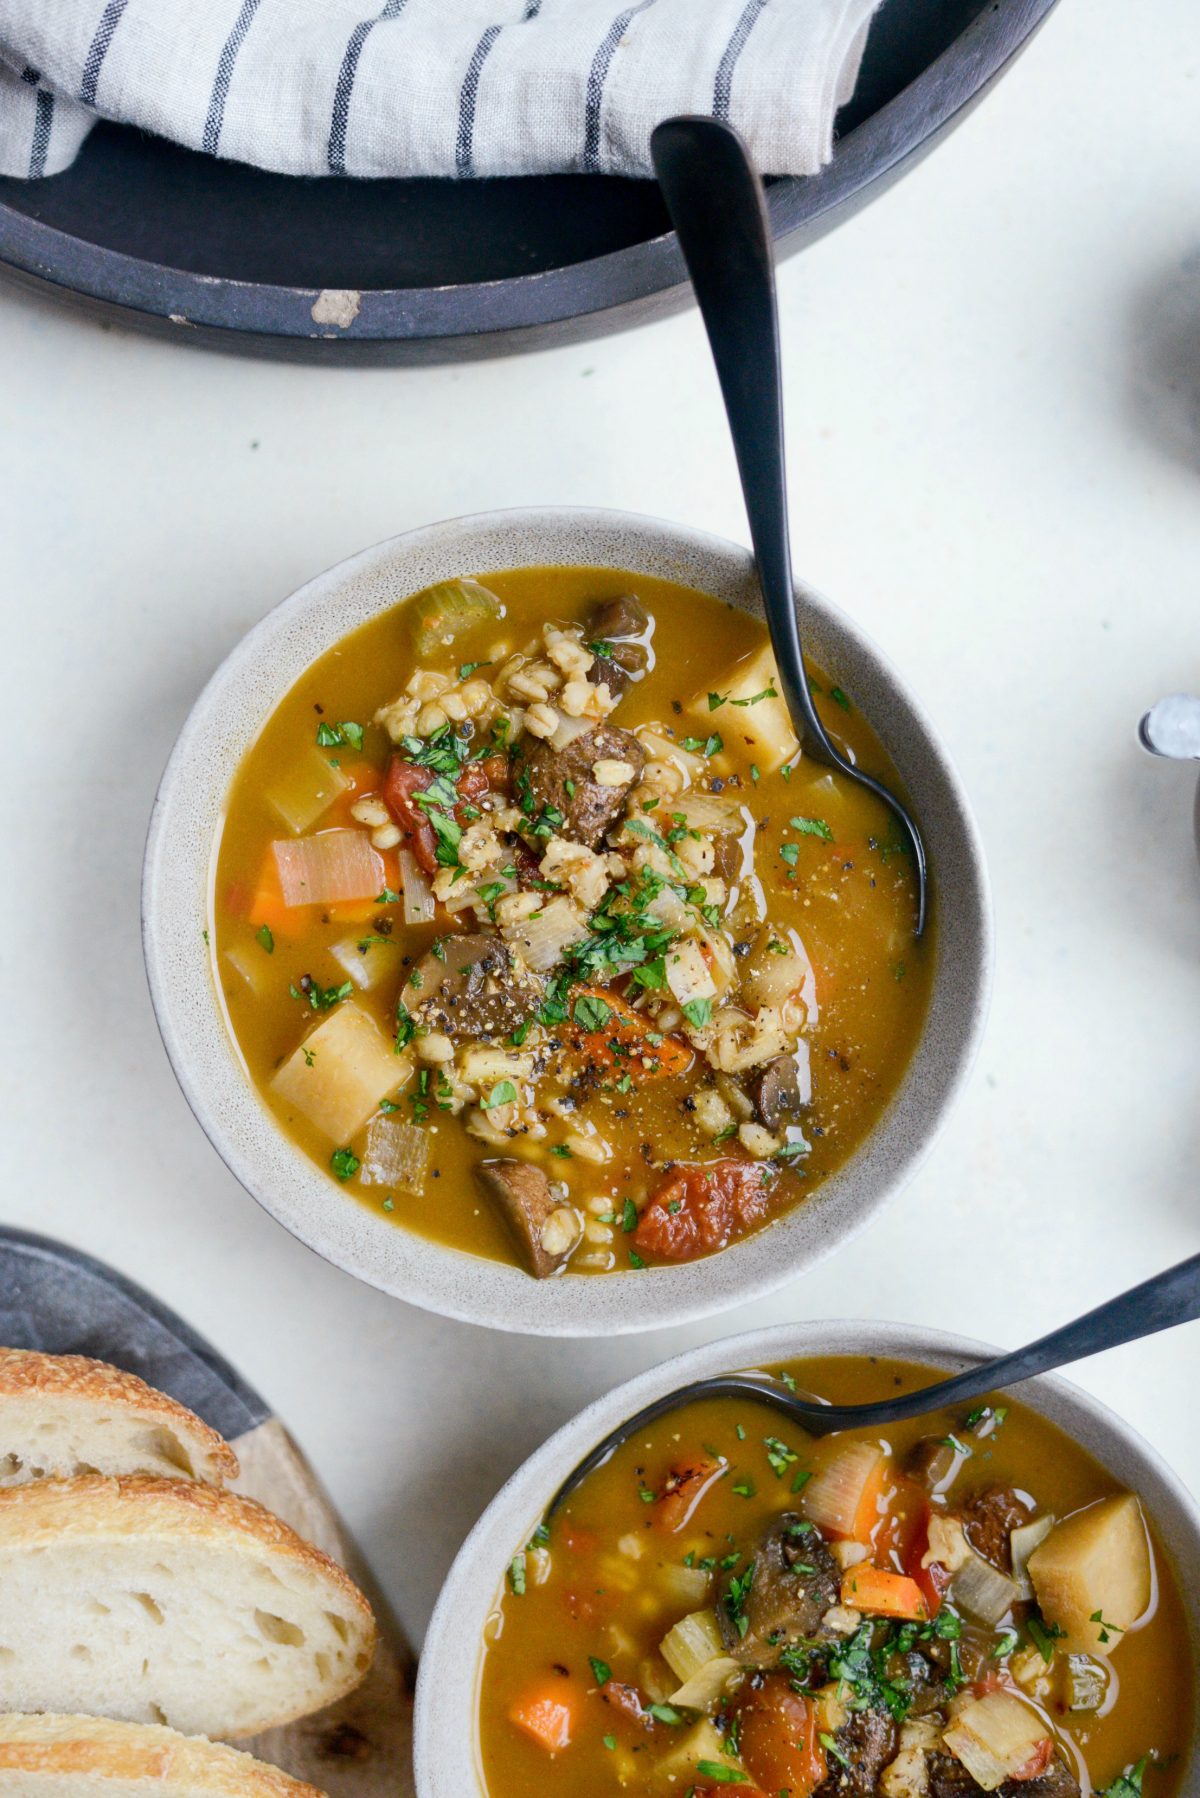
701,1208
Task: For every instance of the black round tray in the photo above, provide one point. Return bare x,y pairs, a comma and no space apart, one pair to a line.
215,252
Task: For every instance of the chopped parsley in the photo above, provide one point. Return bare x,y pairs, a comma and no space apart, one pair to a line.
345,1163
337,736
812,827
265,939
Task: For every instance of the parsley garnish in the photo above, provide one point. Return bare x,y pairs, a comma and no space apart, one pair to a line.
812,827
345,1163
266,939
336,736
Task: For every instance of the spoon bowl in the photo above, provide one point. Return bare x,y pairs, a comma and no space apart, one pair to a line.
716,204
1167,1299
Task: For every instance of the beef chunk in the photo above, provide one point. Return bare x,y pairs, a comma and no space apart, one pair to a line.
920,1676
868,1741
775,1090
562,779
948,1778
795,1581
987,1517
525,1199
469,988
619,663
931,1461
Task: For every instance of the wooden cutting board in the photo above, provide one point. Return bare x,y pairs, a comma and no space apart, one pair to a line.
55,1299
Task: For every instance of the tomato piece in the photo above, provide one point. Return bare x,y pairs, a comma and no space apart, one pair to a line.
403,781
627,1700
780,1736
684,1488
703,1206
1037,1763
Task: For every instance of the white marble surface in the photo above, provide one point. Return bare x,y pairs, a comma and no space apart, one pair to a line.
994,392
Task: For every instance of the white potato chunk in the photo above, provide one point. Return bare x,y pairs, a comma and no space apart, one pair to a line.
764,727
340,1073
1092,1574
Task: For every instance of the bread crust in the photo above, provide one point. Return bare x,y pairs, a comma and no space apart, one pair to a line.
48,1511
62,1747
29,1373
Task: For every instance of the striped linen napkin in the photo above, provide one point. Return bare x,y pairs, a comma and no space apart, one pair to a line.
426,87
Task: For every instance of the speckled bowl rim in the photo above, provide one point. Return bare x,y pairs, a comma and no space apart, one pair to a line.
178,874
446,1748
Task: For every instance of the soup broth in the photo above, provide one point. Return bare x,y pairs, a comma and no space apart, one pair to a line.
965,1602
537,933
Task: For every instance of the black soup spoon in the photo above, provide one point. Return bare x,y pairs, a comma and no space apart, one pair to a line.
1160,1303
716,204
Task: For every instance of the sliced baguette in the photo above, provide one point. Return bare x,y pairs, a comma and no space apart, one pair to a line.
166,1601
89,1757
62,1415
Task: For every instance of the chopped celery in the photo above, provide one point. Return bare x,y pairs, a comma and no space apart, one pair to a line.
448,611
691,1643
309,788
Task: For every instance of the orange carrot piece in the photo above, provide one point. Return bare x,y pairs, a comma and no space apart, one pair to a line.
547,1714
266,907
882,1593
867,1516
623,1042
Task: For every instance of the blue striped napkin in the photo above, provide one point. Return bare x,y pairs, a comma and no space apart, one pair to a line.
426,87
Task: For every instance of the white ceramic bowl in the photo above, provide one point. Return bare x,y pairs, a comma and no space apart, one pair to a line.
178,877
446,1742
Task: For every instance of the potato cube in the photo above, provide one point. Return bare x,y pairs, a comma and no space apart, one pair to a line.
755,712
308,789
340,1073
1092,1574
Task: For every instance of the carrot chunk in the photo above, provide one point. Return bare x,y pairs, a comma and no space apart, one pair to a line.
620,1038
547,1714
703,1206
882,1593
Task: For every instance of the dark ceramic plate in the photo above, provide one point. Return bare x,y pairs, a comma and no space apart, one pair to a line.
423,271
61,1301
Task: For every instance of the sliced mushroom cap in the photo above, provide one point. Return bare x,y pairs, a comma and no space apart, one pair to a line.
620,662
544,1228
795,1582
775,1090
467,986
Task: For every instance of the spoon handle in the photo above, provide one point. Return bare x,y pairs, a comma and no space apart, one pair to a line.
1169,1298
720,217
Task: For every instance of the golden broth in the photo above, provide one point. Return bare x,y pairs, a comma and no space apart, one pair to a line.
844,888
605,1586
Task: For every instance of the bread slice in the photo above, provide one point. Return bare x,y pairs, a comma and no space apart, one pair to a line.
87,1757
166,1601
62,1415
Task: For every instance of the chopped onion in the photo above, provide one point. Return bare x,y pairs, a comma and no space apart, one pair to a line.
691,1643
983,1590
367,960
329,868
707,1684
420,906
996,1737
397,1155
1087,1683
1023,1541
705,811
543,938
306,791
252,964
834,1496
